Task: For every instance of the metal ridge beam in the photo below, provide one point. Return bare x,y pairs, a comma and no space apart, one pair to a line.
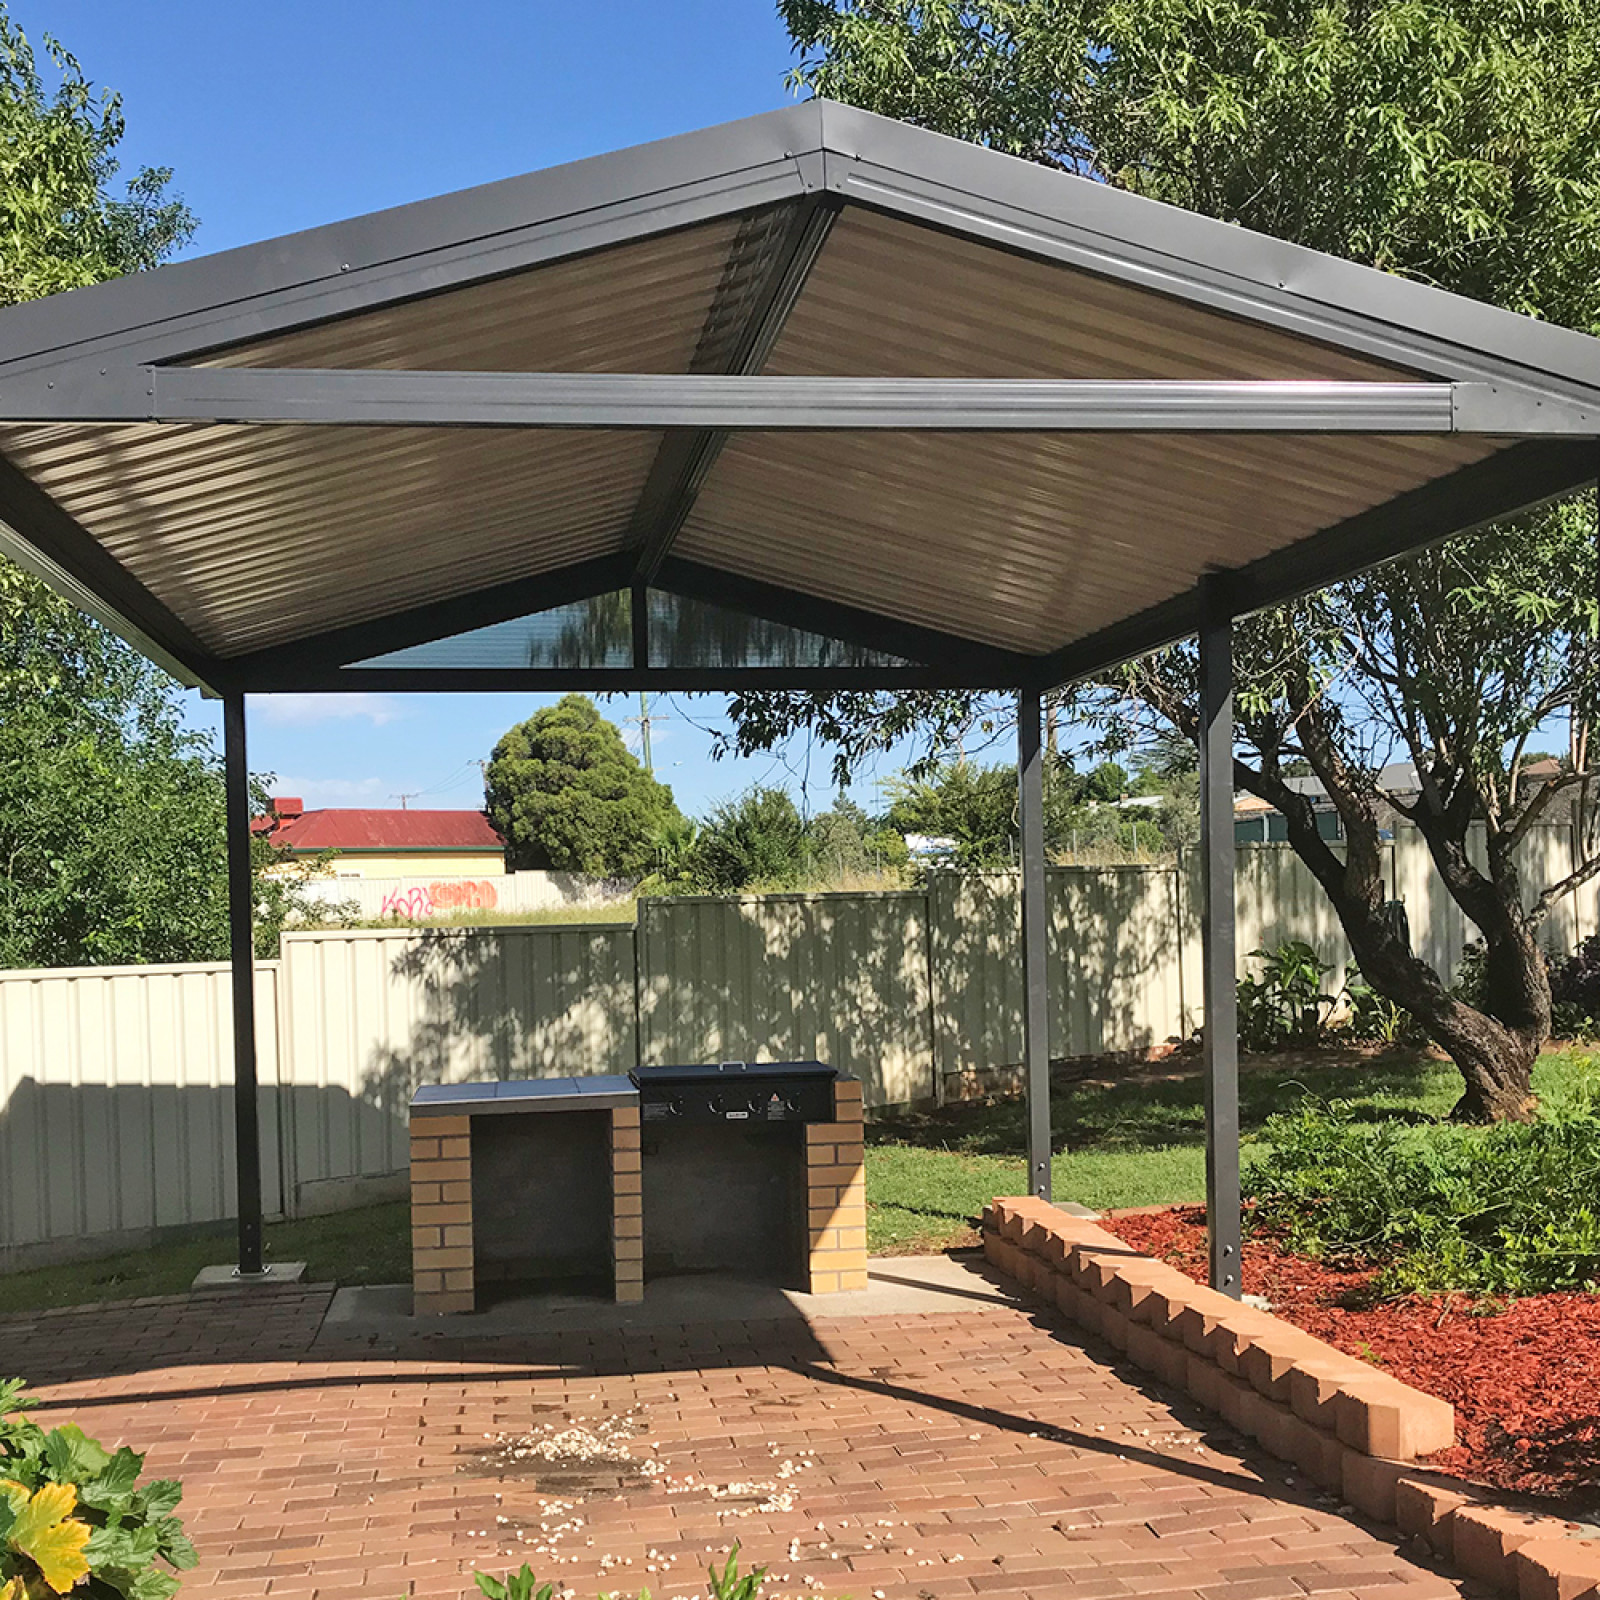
45,539
1514,480
652,401
685,459
285,665
975,664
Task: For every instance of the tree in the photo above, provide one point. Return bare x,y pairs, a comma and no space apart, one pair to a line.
756,841
61,226
111,810
1454,143
566,793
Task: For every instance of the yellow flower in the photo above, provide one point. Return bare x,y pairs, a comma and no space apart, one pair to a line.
45,1531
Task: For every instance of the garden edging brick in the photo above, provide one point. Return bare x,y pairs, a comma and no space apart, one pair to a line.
1350,1428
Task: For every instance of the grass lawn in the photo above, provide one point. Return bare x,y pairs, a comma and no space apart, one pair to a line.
1133,1141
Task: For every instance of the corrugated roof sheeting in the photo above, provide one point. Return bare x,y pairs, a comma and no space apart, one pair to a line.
259,535
1027,541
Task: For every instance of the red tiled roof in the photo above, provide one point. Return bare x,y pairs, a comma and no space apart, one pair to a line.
387,830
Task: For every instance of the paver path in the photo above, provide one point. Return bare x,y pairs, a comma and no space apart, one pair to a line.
941,1457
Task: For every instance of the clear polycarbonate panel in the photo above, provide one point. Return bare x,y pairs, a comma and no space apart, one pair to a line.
696,633
586,633
598,633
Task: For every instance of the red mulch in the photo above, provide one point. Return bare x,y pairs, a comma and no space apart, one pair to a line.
1523,1375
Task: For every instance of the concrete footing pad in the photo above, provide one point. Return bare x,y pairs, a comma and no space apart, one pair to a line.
229,1277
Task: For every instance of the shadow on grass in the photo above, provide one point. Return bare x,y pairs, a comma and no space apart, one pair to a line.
1162,1105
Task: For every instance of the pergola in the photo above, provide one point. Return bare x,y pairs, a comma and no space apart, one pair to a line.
810,401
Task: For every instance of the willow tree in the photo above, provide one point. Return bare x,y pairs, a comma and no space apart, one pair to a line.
1451,141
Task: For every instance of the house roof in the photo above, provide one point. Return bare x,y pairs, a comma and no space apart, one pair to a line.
924,412
356,830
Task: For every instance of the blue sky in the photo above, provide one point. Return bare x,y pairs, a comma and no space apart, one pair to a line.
285,115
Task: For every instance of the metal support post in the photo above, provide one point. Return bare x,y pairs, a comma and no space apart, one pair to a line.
1217,933
1035,937
241,955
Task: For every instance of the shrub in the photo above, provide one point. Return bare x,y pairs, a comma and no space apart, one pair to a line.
1285,1005
1505,1209
1377,1020
1575,991
73,1515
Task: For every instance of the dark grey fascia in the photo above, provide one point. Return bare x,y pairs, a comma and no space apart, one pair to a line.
1514,480
655,401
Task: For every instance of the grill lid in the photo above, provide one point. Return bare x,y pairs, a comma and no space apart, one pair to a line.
722,1071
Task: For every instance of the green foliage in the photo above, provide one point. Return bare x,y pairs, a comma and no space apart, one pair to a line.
566,793
111,810
756,841
521,1585
726,1583
1454,143
1285,1006
1374,1019
71,1509
60,224
1451,142
1505,1209
730,1584
975,806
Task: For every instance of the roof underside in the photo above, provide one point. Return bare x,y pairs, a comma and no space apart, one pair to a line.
304,555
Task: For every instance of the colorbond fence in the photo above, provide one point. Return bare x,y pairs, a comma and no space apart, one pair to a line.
115,1098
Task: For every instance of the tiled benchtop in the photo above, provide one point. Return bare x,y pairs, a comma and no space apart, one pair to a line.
601,1093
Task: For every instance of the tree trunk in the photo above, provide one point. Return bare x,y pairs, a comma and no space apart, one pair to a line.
1494,1047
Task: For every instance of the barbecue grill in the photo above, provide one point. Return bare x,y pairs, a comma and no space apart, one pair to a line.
736,1091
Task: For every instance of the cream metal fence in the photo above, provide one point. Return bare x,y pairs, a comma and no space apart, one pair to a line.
115,1097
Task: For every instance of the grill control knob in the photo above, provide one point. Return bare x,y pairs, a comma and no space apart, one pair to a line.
675,1105
791,1103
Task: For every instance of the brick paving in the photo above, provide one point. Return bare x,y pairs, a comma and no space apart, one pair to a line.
987,1453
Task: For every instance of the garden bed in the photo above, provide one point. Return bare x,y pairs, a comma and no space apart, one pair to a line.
1521,1374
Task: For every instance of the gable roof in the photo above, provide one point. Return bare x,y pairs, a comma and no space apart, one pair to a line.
356,830
813,242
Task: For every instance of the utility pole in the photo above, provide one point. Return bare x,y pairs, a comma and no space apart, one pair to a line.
643,721
402,798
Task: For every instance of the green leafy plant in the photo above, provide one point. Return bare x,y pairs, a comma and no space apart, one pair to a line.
74,1516
514,1586
1509,1209
1375,1018
728,1583
1285,1005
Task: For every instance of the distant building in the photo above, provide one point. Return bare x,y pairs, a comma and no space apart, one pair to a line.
1257,822
388,844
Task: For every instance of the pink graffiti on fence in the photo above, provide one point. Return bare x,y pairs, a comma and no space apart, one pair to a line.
425,900
406,903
